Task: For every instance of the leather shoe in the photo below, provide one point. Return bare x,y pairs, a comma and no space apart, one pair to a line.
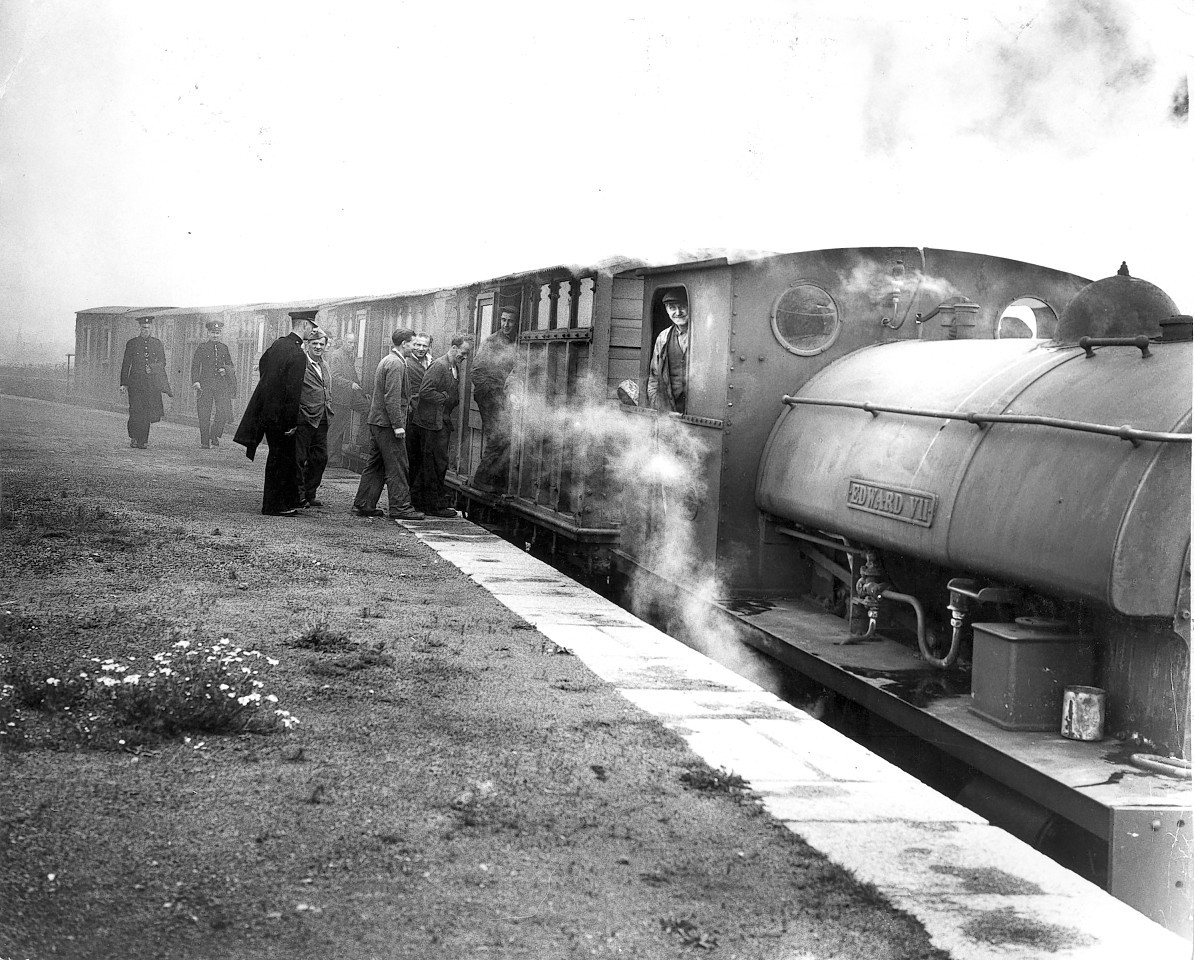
314,503
288,512
368,512
446,513
408,514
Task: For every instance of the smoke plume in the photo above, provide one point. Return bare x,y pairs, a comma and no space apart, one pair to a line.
654,472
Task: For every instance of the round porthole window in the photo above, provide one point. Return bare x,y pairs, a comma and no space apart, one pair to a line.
805,319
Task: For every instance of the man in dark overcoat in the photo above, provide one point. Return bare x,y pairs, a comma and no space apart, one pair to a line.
273,413
214,379
438,395
139,380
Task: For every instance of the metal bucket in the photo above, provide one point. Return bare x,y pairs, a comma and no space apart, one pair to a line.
1082,713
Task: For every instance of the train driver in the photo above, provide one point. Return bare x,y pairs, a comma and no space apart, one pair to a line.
667,386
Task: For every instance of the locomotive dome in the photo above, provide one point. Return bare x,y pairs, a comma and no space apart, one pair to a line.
1119,306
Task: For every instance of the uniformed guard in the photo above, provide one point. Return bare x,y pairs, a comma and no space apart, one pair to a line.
214,379
143,378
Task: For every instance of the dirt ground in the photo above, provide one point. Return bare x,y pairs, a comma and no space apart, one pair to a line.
457,785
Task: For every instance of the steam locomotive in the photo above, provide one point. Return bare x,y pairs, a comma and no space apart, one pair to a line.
950,490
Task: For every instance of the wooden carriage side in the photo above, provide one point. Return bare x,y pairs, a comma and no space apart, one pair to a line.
579,337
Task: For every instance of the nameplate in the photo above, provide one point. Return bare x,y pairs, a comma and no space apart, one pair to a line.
898,503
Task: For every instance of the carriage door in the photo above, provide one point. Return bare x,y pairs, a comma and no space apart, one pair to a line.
554,342
484,324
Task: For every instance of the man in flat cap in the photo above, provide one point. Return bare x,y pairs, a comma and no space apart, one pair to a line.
214,379
439,393
315,408
273,412
143,378
494,364
667,386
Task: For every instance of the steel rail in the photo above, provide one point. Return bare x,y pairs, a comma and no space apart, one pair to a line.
1126,432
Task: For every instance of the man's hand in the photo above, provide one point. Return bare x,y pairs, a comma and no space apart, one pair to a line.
400,431
196,386
123,388
357,387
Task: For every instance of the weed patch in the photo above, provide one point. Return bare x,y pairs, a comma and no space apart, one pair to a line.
708,780
319,636
689,933
113,703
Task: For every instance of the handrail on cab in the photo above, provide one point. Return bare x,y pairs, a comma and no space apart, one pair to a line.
980,420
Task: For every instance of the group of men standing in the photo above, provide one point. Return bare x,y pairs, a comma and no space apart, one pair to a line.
303,403
291,409
409,429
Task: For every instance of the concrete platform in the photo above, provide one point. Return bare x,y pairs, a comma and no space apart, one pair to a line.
979,892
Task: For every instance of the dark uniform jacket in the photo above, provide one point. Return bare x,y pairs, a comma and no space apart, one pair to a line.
275,401
439,393
135,374
211,367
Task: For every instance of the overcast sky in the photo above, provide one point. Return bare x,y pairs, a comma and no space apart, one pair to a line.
238,152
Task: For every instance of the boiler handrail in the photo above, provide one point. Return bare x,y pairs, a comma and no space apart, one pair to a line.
1126,432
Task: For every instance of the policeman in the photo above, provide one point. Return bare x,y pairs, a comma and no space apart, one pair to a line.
214,380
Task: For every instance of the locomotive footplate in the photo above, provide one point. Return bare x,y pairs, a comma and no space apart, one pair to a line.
1143,819
1140,821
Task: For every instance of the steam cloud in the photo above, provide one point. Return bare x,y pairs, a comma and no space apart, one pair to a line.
654,471
875,281
1058,76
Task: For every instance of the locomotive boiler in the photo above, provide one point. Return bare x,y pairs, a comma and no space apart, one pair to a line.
1039,482
1016,514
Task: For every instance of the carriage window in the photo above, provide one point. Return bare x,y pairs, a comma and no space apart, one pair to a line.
1026,317
806,319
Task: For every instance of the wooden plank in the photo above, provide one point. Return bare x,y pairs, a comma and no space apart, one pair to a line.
627,309
623,338
628,287
620,370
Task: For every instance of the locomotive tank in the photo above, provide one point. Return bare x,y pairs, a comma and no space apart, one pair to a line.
1049,464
